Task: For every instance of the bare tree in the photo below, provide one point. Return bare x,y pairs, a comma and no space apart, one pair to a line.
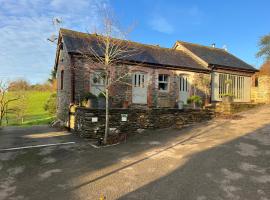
5,100
105,54
21,106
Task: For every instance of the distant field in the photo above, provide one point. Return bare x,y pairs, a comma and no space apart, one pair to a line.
35,113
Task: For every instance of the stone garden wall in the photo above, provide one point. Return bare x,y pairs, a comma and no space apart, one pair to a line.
261,93
90,123
225,108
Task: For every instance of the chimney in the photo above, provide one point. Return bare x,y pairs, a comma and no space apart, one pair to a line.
214,45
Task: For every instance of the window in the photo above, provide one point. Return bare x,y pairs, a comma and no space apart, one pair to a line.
97,83
232,84
139,80
163,82
183,83
256,82
98,78
62,80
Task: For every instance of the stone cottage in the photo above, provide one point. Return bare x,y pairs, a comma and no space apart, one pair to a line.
160,76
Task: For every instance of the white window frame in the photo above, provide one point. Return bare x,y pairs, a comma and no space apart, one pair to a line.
163,81
97,74
97,87
239,88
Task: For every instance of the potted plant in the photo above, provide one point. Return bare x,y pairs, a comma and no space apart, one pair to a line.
195,100
90,100
180,104
101,101
227,98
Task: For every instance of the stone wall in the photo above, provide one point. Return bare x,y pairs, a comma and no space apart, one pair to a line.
225,108
136,119
64,94
121,92
261,93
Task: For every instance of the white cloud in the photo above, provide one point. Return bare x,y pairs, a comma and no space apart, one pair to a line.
25,26
160,24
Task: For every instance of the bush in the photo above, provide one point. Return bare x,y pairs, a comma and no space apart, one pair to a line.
227,95
101,95
88,96
197,100
50,104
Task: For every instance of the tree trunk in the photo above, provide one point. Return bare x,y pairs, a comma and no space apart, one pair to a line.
107,116
1,117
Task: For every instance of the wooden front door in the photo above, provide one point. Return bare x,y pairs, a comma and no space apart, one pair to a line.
139,88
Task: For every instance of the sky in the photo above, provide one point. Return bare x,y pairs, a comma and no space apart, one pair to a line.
25,26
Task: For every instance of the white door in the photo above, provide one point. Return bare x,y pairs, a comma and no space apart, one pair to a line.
184,87
139,88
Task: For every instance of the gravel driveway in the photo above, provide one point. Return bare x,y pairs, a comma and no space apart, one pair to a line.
220,159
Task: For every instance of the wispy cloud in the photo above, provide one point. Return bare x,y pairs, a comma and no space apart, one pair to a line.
161,24
167,18
25,26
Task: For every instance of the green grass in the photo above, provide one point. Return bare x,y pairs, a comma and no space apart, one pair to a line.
35,113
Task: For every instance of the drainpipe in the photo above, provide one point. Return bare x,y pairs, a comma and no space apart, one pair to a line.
211,82
72,84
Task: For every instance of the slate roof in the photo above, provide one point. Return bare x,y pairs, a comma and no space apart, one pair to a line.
216,56
77,42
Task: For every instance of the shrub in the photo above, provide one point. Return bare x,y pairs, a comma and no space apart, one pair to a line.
196,100
101,95
227,95
89,95
50,104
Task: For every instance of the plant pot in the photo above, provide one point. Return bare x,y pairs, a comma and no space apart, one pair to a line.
227,99
92,103
101,103
125,104
180,105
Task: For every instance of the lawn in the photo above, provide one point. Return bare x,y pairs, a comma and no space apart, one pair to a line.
34,112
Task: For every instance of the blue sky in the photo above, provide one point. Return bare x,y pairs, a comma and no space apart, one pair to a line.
25,26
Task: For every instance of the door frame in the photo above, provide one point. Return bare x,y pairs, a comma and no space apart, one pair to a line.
187,86
145,86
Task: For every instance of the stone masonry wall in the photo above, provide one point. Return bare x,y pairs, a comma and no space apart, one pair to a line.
136,119
119,93
63,95
225,108
123,92
261,94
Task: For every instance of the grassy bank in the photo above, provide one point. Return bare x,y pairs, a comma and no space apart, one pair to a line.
34,109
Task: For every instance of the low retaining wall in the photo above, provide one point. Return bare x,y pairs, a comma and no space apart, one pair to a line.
90,123
232,108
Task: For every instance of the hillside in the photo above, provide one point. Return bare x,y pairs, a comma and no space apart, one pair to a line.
34,109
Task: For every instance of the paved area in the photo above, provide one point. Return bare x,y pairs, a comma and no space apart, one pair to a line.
220,159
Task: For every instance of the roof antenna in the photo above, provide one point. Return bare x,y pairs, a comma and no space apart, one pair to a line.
214,45
225,47
56,22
